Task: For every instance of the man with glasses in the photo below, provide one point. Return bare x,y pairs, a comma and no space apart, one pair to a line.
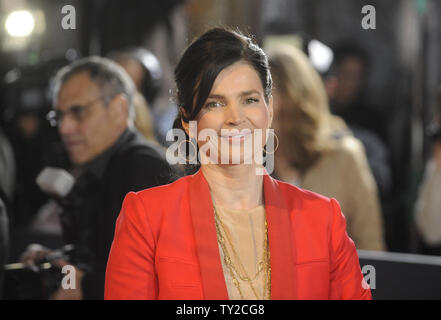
94,113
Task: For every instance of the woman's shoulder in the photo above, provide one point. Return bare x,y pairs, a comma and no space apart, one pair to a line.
152,204
295,195
309,206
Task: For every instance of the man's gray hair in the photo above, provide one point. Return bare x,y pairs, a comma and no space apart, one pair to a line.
111,79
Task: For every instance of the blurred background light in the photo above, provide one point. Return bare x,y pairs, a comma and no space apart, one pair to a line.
321,55
20,23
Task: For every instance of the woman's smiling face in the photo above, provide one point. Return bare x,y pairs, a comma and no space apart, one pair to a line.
234,109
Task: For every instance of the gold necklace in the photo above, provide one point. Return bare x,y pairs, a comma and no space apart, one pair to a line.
263,265
233,270
260,264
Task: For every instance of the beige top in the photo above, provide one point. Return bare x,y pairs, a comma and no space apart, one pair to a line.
246,229
344,174
428,205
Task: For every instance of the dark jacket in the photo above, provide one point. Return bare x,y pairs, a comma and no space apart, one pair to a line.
4,240
7,180
91,209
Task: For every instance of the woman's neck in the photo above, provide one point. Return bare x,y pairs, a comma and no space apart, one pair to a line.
234,186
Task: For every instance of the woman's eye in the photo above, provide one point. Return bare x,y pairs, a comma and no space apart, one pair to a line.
251,100
214,104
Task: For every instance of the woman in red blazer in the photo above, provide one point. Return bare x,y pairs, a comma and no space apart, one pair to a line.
200,237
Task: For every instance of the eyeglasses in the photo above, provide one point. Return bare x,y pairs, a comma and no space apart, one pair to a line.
77,112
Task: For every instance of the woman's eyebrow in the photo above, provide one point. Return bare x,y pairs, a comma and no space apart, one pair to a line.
240,94
249,92
216,96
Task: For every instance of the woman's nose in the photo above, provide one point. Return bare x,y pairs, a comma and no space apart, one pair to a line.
234,114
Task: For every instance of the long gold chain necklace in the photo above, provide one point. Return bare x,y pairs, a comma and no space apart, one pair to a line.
260,264
263,265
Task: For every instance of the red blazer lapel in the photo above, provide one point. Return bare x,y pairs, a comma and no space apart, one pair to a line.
282,250
202,214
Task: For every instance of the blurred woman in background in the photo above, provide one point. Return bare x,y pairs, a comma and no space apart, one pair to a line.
144,118
428,204
316,150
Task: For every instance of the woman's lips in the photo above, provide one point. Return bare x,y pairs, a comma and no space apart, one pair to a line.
237,138
240,136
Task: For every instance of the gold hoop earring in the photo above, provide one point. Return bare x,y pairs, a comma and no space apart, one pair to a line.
277,145
196,150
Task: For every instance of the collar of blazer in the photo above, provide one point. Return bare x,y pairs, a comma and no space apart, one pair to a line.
279,233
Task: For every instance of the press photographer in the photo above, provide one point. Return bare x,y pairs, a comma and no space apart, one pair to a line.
93,110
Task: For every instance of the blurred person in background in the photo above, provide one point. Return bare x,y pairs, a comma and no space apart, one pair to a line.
144,120
24,104
31,140
4,240
428,204
7,168
144,69
162,29
94,112
317,151
344,84
7,174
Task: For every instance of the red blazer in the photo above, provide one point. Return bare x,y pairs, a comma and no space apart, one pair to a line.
165,245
